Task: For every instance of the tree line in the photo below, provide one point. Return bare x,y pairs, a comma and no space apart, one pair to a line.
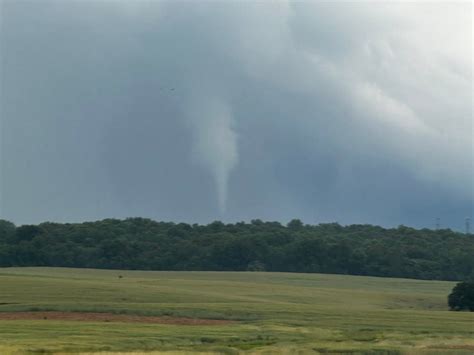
144,244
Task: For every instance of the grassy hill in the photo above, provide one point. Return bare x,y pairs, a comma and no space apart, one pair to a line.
268,312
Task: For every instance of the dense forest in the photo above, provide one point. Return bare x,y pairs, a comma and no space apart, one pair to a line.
138,243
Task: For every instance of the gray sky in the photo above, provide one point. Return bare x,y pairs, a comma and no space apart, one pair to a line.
195,111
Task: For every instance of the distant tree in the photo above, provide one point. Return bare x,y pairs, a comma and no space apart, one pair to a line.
462,297
295,224
28,232
256,266
256,222
216,226
7,230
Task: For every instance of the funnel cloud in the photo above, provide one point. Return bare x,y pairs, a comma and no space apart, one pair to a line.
215,143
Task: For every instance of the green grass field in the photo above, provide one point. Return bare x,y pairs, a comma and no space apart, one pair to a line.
273,313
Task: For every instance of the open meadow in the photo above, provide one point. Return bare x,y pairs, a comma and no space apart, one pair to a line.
225,312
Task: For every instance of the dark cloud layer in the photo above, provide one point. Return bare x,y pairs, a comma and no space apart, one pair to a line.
196,111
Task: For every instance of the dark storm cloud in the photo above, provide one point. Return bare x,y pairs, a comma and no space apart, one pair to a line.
195,111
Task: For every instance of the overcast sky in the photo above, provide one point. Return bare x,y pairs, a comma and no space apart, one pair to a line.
195,111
